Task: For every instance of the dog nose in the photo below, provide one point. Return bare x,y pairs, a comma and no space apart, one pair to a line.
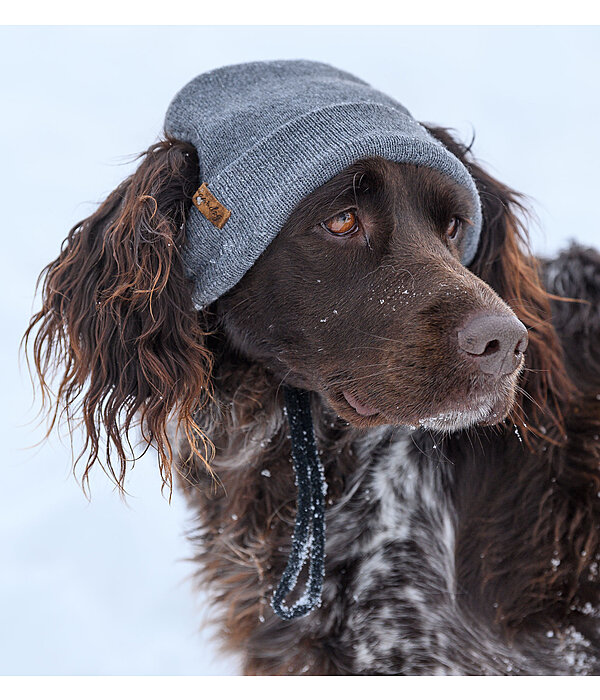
495,342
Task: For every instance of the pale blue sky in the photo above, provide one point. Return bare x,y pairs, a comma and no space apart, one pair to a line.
101,588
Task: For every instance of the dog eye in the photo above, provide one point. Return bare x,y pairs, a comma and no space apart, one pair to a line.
342,224
453,229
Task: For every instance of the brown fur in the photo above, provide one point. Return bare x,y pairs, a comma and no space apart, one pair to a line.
116,319
118,327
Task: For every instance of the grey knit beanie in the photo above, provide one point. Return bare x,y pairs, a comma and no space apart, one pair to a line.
267,134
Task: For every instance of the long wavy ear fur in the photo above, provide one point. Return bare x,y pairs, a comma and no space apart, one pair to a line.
505,262
117,327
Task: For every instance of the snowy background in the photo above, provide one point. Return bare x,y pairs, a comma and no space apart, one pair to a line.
103,587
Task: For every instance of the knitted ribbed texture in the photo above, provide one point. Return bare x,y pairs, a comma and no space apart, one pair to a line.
267,134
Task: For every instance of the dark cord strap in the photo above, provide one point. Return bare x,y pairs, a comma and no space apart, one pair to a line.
308,540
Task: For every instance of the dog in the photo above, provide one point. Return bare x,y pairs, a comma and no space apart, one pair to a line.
456,412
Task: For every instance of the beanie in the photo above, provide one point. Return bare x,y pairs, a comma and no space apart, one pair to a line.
270,132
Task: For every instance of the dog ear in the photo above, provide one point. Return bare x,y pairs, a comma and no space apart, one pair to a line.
117,326
504,260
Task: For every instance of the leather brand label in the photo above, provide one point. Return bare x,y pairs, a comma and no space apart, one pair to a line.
210,207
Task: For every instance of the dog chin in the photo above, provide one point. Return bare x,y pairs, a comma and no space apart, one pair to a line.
446,422
484,408
451,421
487,412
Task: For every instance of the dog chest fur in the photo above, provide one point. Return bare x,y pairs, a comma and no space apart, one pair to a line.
393,602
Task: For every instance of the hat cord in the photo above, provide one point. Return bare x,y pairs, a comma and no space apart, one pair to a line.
308,540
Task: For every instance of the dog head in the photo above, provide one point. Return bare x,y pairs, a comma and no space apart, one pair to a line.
361,298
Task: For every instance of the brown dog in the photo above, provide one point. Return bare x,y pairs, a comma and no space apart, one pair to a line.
460,449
